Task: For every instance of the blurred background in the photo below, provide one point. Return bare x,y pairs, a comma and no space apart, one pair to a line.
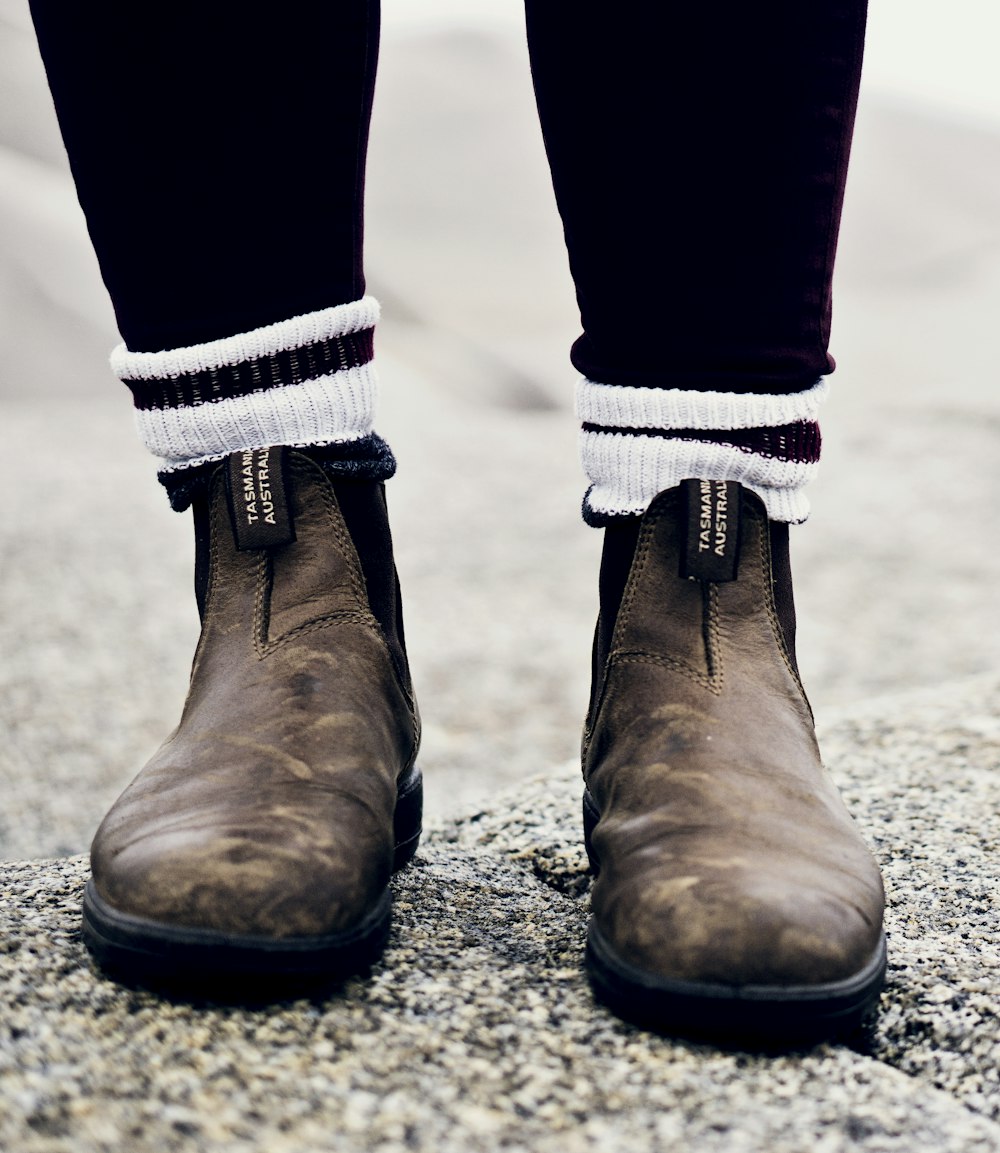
898,571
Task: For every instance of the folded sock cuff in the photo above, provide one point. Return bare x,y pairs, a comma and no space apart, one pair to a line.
617,406
367,459
298,332
305,381
636,442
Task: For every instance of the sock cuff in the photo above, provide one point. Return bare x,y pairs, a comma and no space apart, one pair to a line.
298,332
302,382
330,410
628,472
636,442
620,406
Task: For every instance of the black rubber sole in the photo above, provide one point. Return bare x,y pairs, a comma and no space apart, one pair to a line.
752,1016
235,965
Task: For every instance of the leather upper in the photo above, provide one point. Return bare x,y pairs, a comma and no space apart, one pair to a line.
726,854
269,811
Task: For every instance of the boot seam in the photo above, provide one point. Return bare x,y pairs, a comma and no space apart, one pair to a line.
713,683
714,676
642,550
639,558
345,616
764,551
712,680
712,637
336,518
213,544
262,615
213,572
265,576
306,467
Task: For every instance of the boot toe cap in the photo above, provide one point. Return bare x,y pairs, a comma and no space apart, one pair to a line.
234,883
751,930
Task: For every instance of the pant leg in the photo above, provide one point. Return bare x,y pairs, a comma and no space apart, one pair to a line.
699,161
219,155
218,152
699,154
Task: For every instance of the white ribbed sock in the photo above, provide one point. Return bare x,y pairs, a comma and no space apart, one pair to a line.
630,449
304,381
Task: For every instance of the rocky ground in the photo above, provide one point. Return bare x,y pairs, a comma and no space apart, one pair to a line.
477,1031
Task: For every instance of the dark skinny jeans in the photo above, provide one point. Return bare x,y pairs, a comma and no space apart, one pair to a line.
698,152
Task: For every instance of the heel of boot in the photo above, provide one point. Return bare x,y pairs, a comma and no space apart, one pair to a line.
408,819
591,815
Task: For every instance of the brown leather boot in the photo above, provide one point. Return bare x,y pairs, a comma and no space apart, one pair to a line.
259,840
734,895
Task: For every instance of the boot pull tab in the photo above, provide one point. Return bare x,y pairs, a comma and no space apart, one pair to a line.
710,516
258,498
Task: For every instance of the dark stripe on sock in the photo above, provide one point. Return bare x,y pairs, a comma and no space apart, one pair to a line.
282,368
369,458
799,442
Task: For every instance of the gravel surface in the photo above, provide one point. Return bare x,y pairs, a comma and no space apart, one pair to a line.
477,1030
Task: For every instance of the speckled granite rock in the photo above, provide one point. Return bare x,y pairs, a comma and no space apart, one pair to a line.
922,774
477,1031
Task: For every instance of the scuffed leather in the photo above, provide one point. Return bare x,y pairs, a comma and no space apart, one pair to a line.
726,854
269,811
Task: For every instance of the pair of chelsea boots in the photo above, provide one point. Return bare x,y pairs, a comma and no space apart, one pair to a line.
733,895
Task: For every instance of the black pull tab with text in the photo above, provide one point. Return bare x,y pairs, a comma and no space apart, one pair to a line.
258,498
711,518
